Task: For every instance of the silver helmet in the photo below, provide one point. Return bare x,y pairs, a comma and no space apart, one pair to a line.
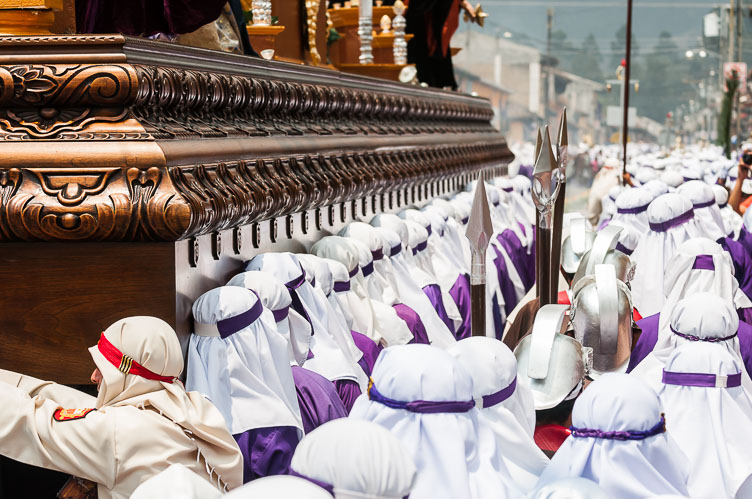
551,364
577,243
602,319
604,252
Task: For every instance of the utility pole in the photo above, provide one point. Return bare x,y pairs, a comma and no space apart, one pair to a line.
549,27
627,81
740,57
732,30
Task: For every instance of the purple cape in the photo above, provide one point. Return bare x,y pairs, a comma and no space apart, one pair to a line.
317,398
348,390
518,254
649,338
370,351
414,324
742,263
267,451
745,238
460,292
433,292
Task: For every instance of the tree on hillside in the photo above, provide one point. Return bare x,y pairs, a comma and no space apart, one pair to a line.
668,79
618,48
587,61
563,50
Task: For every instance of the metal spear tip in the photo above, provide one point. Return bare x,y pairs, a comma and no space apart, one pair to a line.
479,226
563,135
545,162
538,142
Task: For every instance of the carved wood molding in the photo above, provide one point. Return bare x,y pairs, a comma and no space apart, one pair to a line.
104,141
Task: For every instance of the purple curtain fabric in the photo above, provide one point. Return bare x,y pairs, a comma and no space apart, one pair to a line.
145,17
317,398
414,324
460,293
433,292
370,350
518,254
348,390
267,451
742,263
649,337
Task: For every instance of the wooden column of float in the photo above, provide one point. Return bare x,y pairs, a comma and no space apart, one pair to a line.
137,175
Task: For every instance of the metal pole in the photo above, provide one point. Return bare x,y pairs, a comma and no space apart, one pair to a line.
627,74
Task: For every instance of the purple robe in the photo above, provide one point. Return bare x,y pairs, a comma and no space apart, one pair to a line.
518,254
460,293
267,451
745,238
317,398
742,263
348,390
414,324
145,17
529,258
370,349
507,287
433,292
649,338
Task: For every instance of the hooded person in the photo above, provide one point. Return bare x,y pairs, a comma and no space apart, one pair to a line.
672,178
425,398
672,221
619,440
356,459
745,232
628,238
237,359
710,220
518,211
280,486
417,250
700,265
705,407
656,187
608,204
632,208
507,411
732,221
318,400
512,238
176,482
334,354
325,282
141,421
701,317
608,176
385,324
552,366
409,292
450,273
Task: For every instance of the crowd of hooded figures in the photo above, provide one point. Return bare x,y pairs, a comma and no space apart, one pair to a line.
351,372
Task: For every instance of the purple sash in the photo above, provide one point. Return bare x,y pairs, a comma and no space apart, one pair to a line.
341,286
660,427
281,314
632,211
297,303
353,272
420,247
326,486
703,205
702,379
703,262
500,396
623,249
231,325
674,222
367,269
377,255
420,406
395,250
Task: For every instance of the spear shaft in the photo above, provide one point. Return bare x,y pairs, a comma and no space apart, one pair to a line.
561,156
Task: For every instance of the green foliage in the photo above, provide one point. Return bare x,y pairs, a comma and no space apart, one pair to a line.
332,36
724,119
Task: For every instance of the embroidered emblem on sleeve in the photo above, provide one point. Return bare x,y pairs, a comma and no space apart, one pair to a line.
71,414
